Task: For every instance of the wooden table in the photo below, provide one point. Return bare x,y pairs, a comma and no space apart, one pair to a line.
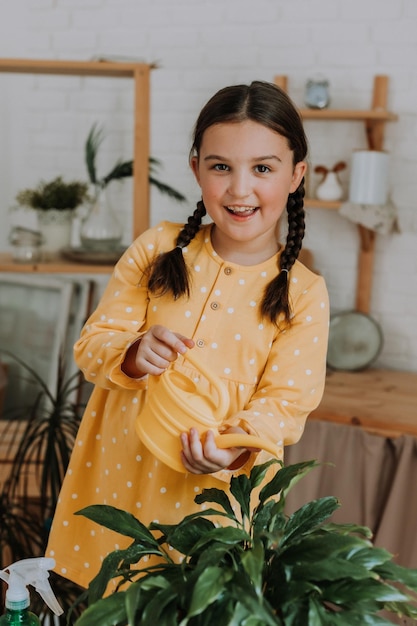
379,401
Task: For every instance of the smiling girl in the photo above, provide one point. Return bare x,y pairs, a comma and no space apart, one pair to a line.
227,289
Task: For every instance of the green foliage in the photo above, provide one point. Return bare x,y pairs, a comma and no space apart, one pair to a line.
56,194
121,169
41,436
262,567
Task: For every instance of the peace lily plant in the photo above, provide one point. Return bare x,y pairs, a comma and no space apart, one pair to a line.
262,567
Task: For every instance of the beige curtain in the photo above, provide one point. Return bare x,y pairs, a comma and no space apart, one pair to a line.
374,477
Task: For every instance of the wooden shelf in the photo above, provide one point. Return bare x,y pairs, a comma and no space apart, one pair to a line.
348,115
74,68
312,203
55,266
374,119
140,73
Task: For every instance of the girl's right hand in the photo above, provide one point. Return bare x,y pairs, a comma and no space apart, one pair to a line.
154,351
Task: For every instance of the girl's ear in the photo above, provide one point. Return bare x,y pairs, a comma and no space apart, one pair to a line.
299,171
194,167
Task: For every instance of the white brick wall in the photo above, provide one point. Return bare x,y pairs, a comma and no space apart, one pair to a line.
202,45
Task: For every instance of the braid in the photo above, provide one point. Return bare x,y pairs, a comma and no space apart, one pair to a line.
276,297
169,272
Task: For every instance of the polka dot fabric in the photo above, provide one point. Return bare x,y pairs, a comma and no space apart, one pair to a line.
275,377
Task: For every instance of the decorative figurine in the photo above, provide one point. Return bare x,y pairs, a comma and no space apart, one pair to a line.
330,188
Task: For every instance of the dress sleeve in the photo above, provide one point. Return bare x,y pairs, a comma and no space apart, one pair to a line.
292,383
119,319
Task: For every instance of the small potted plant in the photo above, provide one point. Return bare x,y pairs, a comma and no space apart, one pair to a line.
261,568
101,230
55,203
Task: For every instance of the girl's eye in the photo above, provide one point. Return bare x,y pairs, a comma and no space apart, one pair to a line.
262,169
221,167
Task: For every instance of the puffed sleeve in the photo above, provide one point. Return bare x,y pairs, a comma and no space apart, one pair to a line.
120,317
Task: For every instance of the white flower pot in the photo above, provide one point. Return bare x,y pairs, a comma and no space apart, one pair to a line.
56,228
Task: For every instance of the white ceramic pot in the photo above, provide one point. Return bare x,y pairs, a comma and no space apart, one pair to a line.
55,226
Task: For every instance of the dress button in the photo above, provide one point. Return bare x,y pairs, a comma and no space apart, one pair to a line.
200,343
227,271
215,305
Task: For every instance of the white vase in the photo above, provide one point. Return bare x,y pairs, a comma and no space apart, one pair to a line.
55,226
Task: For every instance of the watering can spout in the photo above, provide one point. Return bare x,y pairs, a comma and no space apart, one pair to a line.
176,403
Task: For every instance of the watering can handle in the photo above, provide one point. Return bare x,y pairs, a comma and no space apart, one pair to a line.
238,440
222,392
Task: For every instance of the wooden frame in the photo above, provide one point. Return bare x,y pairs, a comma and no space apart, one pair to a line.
140,73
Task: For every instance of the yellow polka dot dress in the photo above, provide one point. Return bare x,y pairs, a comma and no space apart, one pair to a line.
274,375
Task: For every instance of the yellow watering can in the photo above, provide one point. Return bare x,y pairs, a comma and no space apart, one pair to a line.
175,403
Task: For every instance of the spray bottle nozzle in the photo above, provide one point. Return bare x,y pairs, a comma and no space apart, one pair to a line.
33,572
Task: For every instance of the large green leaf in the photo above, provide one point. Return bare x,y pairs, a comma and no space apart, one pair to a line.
120,521
110,611
351,592
209,586
321,545
240,488
284,478
219,497
226,535
331,568
253,562
185,535
309,517
392,571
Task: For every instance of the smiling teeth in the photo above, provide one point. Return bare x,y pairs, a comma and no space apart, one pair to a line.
240,209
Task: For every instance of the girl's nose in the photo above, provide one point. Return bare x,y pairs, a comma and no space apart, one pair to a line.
240,186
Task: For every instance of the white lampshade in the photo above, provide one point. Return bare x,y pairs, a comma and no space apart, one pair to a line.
369,177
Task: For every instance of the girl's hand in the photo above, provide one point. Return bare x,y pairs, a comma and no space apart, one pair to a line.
205,457
154,351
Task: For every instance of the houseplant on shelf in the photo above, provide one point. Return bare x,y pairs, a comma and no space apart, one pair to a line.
101,229
261,568
55,203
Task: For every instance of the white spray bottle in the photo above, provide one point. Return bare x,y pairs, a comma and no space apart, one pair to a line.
18,576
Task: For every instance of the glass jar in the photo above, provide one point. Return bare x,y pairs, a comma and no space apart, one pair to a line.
101,231
317,93
26,244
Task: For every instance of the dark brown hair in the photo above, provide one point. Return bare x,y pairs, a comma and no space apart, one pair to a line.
270,106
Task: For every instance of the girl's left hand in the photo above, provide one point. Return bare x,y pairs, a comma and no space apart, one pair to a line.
204,457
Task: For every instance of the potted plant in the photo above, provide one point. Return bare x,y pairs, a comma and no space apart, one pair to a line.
260,568
37,441
55,203
101,229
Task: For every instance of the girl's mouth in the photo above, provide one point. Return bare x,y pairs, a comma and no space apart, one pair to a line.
241,211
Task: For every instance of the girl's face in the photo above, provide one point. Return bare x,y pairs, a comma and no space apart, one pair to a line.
245,171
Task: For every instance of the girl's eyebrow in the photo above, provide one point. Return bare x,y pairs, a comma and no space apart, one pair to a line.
217,157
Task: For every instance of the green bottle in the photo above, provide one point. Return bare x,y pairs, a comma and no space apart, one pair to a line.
19,616
18,576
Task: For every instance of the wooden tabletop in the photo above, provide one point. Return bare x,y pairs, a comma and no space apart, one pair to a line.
380,401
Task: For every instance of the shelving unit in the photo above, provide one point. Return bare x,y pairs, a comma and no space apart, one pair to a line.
140,73
374,119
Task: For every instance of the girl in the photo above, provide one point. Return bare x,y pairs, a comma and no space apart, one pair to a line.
226,289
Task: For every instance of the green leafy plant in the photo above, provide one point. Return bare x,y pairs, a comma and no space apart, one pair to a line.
260,568
41,436
56,194
121,169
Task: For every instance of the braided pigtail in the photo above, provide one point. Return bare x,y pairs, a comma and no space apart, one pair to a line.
276,297
169,272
